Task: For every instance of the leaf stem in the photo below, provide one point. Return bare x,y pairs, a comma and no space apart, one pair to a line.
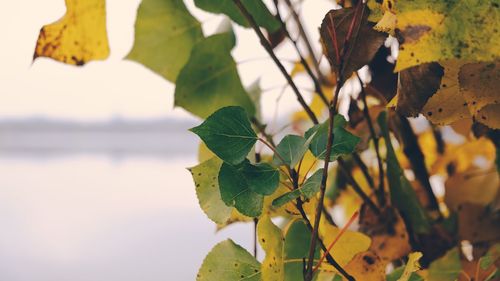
269,49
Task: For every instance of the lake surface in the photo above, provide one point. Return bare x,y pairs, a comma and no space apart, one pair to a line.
94,212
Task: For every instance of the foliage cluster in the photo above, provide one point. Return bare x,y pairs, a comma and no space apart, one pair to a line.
370,165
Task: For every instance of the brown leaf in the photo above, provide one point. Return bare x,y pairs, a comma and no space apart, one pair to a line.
363,43
477,223
416,85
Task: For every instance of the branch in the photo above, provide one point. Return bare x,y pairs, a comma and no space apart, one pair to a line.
269,49
317,84
357,188
364,169
412,150
304,36
366,113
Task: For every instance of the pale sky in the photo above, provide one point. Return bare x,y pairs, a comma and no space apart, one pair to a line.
103,89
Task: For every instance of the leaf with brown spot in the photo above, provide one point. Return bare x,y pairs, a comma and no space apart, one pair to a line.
78,37
480,84
416,85
367,266
363,43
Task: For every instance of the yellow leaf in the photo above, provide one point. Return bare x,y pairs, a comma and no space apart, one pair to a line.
411,266
447,104
271,240
367,266
387,23
78,37
434,31
347,246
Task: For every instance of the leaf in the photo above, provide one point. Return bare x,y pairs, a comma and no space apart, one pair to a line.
479,84
411,266
466,90
235,192
308,189
390,240
262,178
78,37
291,148
343,141
207,190
477,223
416,85
473,186
366,266
271,240
296,233
446,268
229,261
363,45
403,195
256,8
228,134
210,80
447,104
165,33
347,246
442,30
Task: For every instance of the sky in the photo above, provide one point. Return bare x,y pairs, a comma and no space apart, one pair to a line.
117,87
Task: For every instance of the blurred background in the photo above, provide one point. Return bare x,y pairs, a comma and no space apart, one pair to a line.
93,179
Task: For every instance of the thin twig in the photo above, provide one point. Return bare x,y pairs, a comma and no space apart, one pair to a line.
364,169
270,51
357,188
304,36
317,85
375,139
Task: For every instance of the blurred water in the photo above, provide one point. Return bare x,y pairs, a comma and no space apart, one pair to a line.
90,215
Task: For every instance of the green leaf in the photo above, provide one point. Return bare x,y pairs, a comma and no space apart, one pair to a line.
308,189
235,191
229,261
403,195
262,178
205,176
165,33
343,141
446,268
271,240
256,8
228,134
291,148
297,237
210,80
